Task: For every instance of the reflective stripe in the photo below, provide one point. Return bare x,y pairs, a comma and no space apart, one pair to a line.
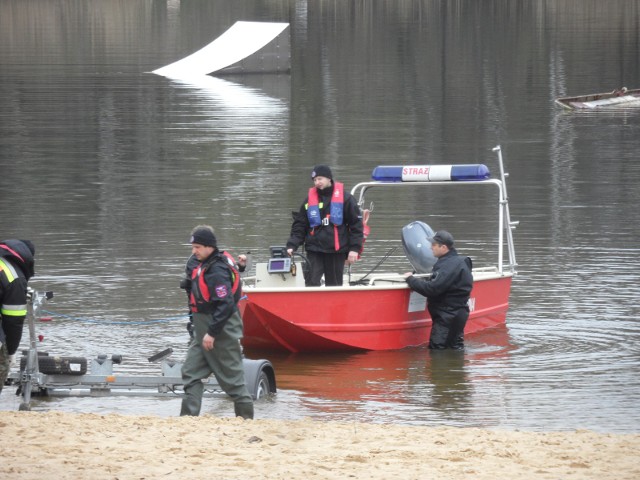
8,270
11,274
14,310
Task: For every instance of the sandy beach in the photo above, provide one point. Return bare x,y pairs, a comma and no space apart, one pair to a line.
75,446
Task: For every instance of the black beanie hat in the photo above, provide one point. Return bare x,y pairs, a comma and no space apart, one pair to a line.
30,246
322,171
204,236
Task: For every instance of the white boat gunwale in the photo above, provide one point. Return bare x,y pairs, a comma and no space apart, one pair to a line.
375,282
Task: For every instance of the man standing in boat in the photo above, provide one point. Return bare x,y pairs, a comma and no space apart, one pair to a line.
330,226
447,291
214,291
16,268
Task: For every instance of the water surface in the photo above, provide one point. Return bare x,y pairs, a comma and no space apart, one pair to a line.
107,167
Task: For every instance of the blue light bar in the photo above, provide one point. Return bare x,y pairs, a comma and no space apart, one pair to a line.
430,173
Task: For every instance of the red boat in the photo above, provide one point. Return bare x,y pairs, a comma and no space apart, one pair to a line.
377,312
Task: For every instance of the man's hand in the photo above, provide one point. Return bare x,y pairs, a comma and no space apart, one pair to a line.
207,342
408,274
190,327
242,260
290,252
352,258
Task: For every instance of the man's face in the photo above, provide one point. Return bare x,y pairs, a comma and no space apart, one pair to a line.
439,249
200,251
321,182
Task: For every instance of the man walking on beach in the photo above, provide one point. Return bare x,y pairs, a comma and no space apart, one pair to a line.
214,290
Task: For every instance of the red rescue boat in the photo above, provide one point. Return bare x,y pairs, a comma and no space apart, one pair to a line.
379,311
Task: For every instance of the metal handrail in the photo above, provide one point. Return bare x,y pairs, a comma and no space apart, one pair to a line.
504,218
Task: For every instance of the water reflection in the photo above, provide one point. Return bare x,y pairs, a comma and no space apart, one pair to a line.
107,169
245,115
238,100
451,389
418,385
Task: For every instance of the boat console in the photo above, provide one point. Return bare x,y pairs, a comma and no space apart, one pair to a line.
279,262
279,271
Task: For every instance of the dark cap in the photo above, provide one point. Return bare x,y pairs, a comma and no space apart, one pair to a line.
322,171
203,235
443,238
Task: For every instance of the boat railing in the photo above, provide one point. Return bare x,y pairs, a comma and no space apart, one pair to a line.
394,278
478,272
485,270
505,225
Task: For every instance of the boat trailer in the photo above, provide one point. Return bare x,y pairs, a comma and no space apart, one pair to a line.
43,375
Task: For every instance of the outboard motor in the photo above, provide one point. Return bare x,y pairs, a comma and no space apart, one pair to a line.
416,246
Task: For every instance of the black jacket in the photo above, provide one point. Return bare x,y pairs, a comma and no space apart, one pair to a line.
322,239
16,268
450,283
219,280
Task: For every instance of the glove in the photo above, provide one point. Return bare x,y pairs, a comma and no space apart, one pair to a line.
190,327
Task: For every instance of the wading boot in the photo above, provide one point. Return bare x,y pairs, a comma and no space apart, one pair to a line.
191,403
244,410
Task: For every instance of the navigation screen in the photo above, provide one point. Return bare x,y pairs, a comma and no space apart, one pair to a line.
279,265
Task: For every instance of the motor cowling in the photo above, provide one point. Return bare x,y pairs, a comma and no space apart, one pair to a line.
416,246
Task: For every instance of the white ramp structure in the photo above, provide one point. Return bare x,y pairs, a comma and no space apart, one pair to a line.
247,47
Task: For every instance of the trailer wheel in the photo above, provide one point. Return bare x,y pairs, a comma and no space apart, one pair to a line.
259,377
58,365
264,386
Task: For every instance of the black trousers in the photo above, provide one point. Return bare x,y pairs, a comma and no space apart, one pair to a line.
447,329
331,265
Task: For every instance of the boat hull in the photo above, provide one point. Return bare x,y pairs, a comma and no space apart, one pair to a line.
357,318
617,99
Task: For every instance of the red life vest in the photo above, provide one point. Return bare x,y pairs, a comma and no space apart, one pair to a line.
200,297
336,210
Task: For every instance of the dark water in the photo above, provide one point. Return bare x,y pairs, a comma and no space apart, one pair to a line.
107,168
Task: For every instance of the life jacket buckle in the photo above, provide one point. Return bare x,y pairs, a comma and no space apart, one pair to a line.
325,221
